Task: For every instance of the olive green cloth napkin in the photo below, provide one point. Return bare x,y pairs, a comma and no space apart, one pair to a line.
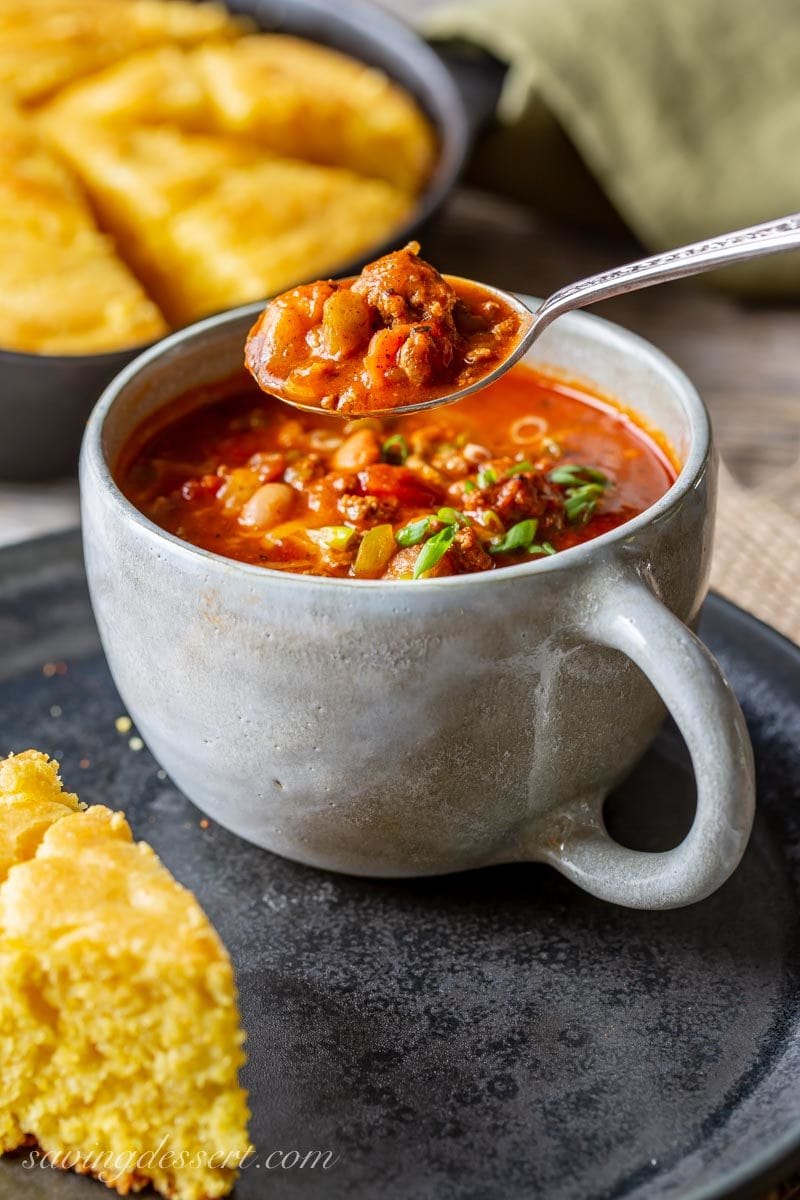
686,113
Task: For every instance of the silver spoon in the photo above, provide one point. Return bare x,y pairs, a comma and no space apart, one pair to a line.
738,246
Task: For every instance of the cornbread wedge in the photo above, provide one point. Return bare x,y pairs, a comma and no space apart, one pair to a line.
295,98
31,800
119,1033
45,44
211,222
62,287
76,298
161,86
307,101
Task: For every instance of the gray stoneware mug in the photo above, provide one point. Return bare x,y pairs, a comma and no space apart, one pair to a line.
396,729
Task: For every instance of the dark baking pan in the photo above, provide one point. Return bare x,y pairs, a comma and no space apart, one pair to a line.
45,399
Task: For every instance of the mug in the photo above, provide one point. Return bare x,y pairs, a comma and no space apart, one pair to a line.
391,728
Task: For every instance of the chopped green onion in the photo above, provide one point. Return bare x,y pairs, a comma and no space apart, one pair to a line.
413,533
584,487
395,449
433,550
470,486
525,465
486,477
519,537
541,548
451,516
582,501
573,475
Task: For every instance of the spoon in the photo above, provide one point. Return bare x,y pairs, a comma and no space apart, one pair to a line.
771,237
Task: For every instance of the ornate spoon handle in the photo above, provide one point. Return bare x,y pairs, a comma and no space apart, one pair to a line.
719,251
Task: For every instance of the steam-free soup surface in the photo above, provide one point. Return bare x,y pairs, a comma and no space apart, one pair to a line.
522,470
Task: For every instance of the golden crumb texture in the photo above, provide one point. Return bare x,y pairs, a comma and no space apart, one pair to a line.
63,287
120,1041
160,160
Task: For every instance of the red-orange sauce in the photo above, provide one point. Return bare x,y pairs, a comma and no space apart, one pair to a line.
399,334
251,479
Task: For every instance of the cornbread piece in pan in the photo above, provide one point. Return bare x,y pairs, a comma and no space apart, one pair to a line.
63,289
160,86
306,101
119,1031
45,44
296,98
274,224
139,179
211,222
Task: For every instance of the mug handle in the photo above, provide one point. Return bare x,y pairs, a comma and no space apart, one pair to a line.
630,618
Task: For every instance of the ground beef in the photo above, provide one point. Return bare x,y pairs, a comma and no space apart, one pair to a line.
520,498
304,470
467,554
366,510
426,353
406,290
401,566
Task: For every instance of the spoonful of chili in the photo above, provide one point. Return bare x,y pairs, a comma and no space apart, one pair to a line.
400,337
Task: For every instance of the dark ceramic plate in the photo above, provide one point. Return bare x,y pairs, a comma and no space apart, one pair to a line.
488,1036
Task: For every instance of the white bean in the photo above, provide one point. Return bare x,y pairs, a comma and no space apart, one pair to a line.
360,449
268,506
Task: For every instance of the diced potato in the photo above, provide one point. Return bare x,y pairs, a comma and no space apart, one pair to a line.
345,323
238,487
304,383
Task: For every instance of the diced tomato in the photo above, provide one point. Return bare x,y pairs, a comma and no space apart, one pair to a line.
382,354
382,479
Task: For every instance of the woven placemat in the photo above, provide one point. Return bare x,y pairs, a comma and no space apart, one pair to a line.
757,549
757,565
